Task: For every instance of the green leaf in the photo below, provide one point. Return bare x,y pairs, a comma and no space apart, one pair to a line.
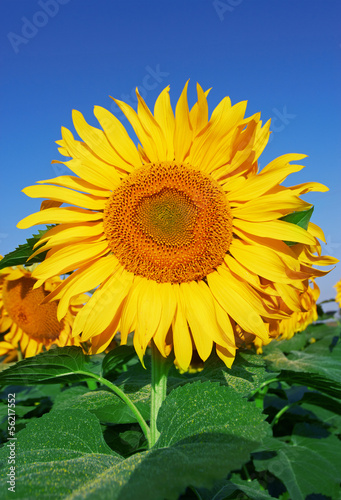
116,358
299,219
20,255
319,372
248,372
307,466
20,411
197,408
326,402
107,407
326,417
56,454
60,364
223,489
63,454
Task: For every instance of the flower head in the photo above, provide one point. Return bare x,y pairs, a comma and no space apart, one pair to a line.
182,236
32,326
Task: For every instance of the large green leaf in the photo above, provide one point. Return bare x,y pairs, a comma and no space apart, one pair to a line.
107,407
56,454
20,255
320,372
61,364
199,407
63,455
307,466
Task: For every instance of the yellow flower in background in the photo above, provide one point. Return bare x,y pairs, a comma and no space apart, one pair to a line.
338,293
301,313
181,237
32,326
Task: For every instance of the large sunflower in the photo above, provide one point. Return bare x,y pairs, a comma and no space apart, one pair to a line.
32,326
181,237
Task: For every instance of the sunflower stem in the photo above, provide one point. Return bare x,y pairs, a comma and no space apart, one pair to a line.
126,400
160,368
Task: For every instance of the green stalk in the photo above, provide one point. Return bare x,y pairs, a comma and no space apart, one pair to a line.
160,368
126,400
279,414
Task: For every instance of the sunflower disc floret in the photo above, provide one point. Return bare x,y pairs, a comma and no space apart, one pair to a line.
169,223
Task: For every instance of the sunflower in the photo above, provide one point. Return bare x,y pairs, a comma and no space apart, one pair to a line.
181,237
32,326
302,314
338,293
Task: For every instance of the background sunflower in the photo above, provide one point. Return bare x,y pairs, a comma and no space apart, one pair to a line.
32,326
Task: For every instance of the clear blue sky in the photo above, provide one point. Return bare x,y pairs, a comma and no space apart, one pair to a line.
283,56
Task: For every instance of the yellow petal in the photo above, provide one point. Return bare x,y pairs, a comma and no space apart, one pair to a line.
129,312
227,355
168,300
164,115
78,184
290,296
149,310
225,324
144,137
277,229
316,231
183,347
200,315
152,127
183,129
306,187
66,196
98,143
263,261
271,175
70,233
118,136
270,207
58,216
101,342
236,305
86,278
102,307
60,261
199,112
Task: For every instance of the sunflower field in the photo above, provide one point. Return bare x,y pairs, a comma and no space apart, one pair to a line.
161,336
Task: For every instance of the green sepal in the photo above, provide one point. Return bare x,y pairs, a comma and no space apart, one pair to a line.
300,219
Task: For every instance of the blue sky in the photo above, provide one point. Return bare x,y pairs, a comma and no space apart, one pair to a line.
282,56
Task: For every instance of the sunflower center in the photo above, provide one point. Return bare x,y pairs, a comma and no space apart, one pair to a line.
23,305
167,217
169,222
